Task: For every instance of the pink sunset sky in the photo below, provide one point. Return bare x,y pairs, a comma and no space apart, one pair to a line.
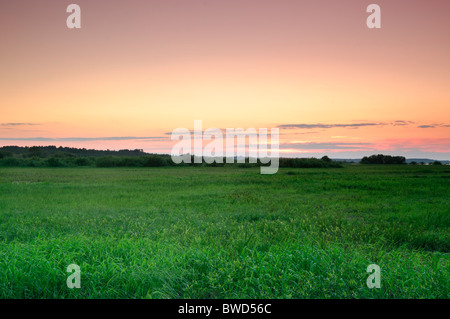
137,70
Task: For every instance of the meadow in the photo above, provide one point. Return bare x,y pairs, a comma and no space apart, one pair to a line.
225,232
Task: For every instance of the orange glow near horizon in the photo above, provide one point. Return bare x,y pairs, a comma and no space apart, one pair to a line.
313,69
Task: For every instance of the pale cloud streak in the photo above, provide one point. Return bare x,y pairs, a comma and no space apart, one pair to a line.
83,139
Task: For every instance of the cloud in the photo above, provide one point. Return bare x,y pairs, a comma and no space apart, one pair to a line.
323,146
303,133
402,123
357,125
18,124
82,139
438,145
319,125
436,125
243,133
435,145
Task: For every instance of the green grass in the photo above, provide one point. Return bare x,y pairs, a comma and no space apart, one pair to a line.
225,232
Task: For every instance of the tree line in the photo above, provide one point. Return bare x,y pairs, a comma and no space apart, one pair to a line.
52,156
383,159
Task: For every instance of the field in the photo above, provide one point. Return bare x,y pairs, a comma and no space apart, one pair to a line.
225,232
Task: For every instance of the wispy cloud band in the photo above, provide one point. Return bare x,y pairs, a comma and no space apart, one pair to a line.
82,139
319,125
326,146
18,124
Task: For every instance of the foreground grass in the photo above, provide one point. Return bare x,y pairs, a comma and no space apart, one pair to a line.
225,232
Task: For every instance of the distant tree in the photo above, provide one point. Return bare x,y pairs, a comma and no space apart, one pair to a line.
383,159
5,154
35,151
326,159
413,163
437,163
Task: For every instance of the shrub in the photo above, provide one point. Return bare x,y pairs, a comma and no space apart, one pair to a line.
11,162
307,163
107,161
82,161
54,162
154,161
130,162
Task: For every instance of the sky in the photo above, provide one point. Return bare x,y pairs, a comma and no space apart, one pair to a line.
137,70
